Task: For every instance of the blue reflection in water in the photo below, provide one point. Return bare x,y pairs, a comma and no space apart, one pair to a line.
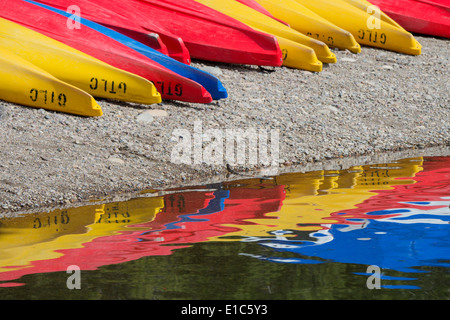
415,238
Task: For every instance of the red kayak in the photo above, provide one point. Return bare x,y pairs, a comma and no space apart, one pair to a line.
156,37
430,17
208,34
171,85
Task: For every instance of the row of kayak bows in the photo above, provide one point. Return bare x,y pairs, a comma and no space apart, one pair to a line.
60,54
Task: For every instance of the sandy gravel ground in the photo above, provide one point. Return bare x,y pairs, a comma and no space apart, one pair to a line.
368,105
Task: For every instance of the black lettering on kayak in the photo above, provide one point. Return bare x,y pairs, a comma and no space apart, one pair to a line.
169,89
310,34
62,100
361,34
112,88
318,36
45,95
178,90
372,36
106,84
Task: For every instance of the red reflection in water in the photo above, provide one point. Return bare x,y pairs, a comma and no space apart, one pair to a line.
194,216
431,185
170,227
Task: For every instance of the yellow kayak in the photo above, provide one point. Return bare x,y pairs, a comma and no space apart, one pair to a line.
307,22
298,56
313,198
357,21
367,7
260,21
76,68
23,83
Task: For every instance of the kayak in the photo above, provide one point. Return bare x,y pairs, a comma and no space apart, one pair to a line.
294,55
171,85
23,83
262,22
256,6
221,39
136,26
356,20
429,17
307,22
75,67
208,81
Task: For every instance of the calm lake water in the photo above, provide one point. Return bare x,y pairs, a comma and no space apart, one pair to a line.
369,232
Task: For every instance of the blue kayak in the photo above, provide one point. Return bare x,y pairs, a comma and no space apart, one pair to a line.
207,80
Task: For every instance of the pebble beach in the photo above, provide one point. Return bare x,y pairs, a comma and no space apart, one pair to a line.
367,107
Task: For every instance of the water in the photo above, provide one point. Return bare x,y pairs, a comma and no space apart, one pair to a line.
370,232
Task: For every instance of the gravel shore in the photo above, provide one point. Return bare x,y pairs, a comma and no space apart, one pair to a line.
370,104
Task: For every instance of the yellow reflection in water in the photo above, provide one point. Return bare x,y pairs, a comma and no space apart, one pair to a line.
37,236
312,198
